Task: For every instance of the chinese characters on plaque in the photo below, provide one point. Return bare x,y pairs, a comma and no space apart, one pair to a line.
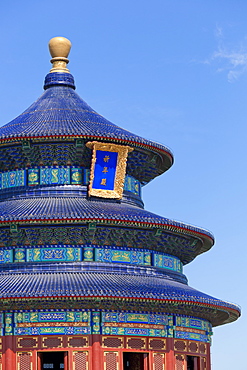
108,169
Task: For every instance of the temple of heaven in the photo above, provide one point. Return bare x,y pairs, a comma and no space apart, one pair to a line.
89,279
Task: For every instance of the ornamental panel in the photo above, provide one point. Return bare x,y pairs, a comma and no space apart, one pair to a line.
203,348
52,342
29,342
180,345
24,360
78,341
193,347
112,342
203,363
179,362
136,343
159,361
80,360
111,361
157,344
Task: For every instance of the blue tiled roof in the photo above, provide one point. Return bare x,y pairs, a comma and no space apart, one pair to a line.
60,111
73,208
14,285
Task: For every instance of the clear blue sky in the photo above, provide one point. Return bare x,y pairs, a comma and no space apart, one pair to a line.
172,71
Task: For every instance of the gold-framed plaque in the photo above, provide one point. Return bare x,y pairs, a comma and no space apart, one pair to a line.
108,169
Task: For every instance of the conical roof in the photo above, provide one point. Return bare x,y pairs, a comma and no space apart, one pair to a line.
59,116
61,111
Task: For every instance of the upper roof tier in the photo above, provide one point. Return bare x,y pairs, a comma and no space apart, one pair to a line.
61,113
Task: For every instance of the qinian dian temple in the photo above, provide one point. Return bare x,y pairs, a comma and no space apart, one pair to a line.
89,279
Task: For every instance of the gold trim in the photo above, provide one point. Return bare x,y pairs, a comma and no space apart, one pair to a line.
179,341
52,337
87,360
122,151
159,354
137,337
26,337
112,337
206,348
157,338
76,337
197,343
18,359
117,357
59,48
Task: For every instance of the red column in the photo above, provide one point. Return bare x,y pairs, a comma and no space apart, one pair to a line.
9,355
170,356
146,360
208,357
39,361
97,358
65,361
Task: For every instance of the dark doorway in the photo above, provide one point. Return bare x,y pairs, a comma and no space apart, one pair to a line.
134,360
193,363
52,360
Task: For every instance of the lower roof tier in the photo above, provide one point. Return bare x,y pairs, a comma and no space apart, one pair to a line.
78,210
111,291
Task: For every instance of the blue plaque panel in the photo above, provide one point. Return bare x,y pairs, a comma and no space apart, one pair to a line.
76,176
12,179
54,176
105,170
33,176
6,256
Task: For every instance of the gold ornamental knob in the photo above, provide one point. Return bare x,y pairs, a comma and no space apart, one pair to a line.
59,48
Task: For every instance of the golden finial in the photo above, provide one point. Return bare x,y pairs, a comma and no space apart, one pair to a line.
59,48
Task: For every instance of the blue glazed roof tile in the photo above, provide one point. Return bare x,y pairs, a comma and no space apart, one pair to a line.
66,208
13,285
60,111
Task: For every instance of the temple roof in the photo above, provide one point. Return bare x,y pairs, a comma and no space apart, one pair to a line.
61,112
60,115
169,294
79,209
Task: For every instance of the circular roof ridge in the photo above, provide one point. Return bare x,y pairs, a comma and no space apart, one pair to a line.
67,209
60,111
134,287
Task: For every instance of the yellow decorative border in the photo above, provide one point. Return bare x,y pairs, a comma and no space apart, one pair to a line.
26,337
112,337
87,362
117,357
159,354
204,359
52,337
179,341
137,337
122,151
157,338
77,336
206,348
18,359
197,343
